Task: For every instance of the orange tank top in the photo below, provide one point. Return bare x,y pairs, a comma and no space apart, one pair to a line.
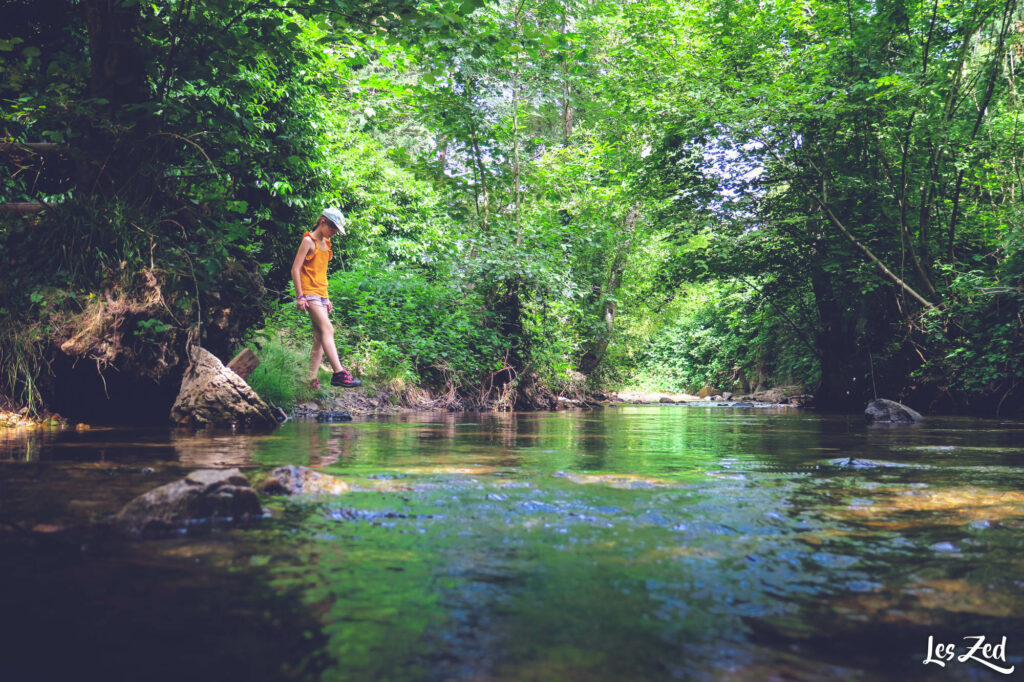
313,273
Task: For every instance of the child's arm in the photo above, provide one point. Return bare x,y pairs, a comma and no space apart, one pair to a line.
304,248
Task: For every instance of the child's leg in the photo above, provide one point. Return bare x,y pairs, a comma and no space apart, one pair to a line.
323,333
316,356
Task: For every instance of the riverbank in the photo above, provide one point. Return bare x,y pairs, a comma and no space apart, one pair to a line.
23,419
373,400
13,419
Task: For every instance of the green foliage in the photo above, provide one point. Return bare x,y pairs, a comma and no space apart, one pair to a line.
21,361
721,335
977,341
842,156
400,326
701,192
281,377
184,132
150,330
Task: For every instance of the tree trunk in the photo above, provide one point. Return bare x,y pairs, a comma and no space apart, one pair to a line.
108,156
599,346
835,340
117,65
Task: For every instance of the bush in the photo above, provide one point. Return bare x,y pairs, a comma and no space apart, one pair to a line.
975,351
399,325
280,378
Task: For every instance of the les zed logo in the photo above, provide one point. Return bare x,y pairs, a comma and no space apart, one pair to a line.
981,651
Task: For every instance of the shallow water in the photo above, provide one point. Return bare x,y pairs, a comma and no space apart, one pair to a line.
630,543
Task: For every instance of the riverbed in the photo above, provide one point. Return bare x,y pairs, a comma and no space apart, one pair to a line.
625,543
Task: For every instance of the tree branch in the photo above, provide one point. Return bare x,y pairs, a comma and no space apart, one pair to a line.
848,235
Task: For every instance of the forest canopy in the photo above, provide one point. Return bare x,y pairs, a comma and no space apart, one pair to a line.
544,198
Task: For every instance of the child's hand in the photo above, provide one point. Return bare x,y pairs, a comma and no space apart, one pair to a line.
330,307
302,303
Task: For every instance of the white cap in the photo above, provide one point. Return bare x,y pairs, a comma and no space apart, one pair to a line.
335,216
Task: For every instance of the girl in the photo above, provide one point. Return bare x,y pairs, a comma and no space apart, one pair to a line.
309,274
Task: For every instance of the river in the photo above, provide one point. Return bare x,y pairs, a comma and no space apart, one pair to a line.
626,543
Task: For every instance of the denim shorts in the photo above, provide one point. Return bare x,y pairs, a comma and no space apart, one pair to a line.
313,299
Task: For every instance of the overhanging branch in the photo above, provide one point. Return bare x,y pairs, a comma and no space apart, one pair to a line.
849,235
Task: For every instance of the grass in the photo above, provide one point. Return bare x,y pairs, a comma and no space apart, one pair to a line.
280,378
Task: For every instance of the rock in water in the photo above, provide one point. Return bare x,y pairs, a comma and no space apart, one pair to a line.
294,480
205,494
884,411
213,394
333,416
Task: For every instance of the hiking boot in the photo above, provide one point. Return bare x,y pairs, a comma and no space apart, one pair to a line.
345,380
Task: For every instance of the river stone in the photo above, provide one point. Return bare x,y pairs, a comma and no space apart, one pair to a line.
884,411
211,394
205,494
296,480
333,416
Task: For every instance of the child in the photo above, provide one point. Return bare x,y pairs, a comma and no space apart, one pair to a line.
309,274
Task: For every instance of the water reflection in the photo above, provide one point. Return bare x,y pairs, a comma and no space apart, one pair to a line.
215,449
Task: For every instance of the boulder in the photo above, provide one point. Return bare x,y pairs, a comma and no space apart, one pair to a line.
707,392
665,399
203,495
211,394
882,411
295,480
